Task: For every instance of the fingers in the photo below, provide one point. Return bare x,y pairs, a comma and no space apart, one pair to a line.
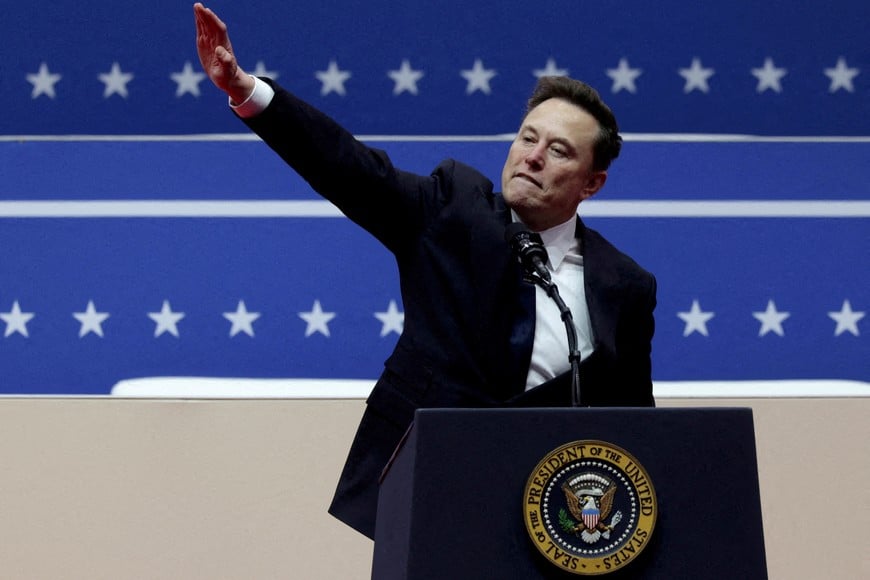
216,54
199,15
213,45
208,22
202,30
210,30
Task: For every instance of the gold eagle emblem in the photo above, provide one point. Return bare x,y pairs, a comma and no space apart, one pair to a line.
590,500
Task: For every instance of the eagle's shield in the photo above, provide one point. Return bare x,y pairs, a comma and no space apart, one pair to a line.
590,517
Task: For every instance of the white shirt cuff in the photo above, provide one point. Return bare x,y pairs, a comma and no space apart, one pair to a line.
256,102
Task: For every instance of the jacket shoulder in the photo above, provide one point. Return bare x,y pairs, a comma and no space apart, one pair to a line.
598,248
462,176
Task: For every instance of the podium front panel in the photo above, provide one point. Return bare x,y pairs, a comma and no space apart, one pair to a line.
452,503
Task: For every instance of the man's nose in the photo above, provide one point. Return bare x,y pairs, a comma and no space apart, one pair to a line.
535,157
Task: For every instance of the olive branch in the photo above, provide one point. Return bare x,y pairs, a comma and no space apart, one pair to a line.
567,524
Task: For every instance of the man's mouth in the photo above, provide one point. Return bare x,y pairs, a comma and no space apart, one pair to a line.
528,178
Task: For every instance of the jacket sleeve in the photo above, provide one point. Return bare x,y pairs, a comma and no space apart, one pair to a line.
360,180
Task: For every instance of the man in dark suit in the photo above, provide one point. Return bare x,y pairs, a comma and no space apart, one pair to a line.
461,284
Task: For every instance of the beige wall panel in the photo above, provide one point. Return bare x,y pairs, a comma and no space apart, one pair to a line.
108,488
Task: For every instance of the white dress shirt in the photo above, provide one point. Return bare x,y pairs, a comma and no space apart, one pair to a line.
550,347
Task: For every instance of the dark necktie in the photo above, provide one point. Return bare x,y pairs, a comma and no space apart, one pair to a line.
522,334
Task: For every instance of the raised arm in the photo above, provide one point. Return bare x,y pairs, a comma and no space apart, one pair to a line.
217,57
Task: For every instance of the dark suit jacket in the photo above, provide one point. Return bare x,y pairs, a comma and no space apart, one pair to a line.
458,280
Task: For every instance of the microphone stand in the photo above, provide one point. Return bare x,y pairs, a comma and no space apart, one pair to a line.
573,352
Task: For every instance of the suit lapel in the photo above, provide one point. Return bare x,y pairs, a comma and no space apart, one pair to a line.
598,282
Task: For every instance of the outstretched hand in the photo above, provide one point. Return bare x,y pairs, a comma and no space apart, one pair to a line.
217,57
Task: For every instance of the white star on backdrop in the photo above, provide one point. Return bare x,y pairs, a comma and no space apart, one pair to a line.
695,319
261,71
405,78
16,321
550,70
166,320
392,320
187,80
696,77
846,319
478,78
771,320
91,320
623,77
769,76
243,321
43,82
317,320
333,79
841,76
115,81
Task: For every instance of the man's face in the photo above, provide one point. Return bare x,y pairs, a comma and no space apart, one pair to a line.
548,171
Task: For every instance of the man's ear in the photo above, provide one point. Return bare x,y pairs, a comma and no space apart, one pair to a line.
593,184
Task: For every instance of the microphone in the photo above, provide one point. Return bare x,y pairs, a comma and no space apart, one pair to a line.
531,252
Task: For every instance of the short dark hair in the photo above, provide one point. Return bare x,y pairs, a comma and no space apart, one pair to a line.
608,143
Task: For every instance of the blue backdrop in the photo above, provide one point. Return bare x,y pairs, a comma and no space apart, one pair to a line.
760,244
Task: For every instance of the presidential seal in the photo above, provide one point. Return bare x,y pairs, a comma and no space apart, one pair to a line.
590,507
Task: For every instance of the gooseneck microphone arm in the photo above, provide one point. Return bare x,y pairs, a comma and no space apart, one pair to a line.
573,352
533,257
